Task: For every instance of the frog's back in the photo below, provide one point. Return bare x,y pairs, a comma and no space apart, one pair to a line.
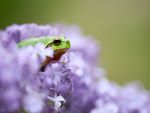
33,41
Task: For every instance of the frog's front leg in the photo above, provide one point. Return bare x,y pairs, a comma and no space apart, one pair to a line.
45,63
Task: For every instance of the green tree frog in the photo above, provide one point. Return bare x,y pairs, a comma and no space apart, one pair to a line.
59,44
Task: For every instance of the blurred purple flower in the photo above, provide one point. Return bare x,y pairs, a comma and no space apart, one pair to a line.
75,86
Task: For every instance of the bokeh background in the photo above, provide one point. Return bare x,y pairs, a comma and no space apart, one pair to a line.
121,27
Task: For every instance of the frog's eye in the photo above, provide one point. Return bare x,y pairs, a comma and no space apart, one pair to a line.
57,41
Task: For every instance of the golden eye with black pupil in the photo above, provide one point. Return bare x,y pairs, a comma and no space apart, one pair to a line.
57,41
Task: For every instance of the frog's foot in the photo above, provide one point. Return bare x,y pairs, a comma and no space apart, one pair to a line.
43,68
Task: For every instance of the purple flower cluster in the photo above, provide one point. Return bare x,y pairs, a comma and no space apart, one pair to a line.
72,85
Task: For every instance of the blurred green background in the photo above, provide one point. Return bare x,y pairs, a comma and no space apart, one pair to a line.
122,27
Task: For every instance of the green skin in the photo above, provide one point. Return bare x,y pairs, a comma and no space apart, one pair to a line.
59,44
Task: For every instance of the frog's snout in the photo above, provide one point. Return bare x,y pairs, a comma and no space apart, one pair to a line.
68,43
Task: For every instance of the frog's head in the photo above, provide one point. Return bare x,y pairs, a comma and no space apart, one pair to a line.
59,43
